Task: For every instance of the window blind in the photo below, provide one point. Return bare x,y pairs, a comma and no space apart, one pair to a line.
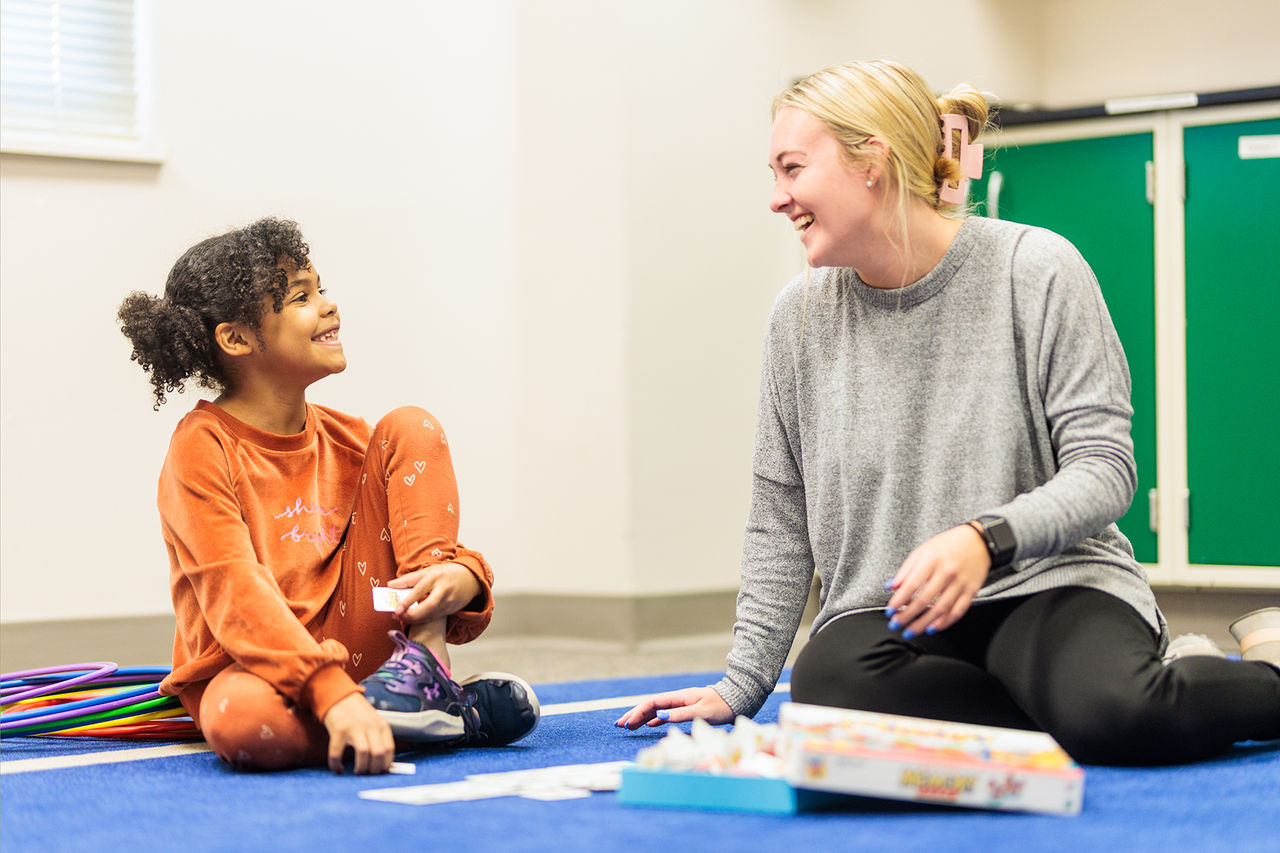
68,70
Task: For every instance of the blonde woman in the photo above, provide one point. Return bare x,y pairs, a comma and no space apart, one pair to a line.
943,436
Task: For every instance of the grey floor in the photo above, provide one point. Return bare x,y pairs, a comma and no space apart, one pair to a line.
544,660
145,641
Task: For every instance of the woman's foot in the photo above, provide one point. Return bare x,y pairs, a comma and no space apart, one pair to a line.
1258,633
1191,645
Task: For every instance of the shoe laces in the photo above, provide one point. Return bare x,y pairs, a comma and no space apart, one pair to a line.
470,716
400,666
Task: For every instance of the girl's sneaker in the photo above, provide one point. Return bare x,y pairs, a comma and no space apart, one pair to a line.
413,692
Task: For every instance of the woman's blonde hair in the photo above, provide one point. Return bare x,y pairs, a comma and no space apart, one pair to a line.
859,100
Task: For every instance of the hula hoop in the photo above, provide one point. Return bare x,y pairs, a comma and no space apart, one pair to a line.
102,669
163,713
74,719
72,709
153,730
124,675
91,700
10,679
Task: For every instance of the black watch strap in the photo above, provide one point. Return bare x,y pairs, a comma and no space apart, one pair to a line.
996,533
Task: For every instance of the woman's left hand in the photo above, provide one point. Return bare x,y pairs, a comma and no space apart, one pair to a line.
438,591
937,581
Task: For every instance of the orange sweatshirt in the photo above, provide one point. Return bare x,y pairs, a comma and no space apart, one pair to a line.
254,525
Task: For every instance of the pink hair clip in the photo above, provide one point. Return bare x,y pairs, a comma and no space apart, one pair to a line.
969,157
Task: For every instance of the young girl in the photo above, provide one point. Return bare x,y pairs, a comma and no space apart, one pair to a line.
943,434
282,518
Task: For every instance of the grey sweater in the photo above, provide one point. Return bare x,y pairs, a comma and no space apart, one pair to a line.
995,384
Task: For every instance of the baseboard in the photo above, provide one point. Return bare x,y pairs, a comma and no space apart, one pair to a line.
622,621
618,619
125,640
1210,611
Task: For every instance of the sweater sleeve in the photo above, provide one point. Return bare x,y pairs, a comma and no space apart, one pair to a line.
468,623
220,588
777,562
1085,390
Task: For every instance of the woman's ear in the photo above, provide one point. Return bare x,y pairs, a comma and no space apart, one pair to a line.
233,339
878,154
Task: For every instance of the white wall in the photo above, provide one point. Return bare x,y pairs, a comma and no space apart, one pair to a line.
546,221
706,259
390,137
571,243
1094,50
993,45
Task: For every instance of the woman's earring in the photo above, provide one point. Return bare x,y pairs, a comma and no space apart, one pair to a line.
870,183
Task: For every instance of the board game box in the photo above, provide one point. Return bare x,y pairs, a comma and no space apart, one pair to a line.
909,758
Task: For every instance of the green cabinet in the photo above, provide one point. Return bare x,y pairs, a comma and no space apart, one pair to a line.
1232,239
1094,192
1176,214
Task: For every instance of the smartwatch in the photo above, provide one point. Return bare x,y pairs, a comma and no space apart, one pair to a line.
999,538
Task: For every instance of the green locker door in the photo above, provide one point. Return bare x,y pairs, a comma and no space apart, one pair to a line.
1233,347
1094,193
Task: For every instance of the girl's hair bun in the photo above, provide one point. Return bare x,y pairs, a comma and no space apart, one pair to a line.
169,341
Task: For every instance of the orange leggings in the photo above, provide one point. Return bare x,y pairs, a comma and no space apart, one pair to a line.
394,528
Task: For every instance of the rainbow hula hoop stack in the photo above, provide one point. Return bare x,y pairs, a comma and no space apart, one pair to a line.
91,700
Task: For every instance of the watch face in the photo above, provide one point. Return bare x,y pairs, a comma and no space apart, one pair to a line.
1000,539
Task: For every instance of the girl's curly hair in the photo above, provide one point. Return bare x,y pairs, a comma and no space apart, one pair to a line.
219,280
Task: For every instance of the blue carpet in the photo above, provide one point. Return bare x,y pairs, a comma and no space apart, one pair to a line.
195,803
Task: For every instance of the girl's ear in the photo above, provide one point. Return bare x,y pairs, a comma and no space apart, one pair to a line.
233,339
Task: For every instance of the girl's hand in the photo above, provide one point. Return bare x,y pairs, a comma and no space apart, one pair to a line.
353,724
937,581
679,707
438,591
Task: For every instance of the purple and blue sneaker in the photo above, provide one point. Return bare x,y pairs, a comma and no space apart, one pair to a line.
422,704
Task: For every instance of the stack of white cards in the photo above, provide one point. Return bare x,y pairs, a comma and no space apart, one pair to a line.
569,781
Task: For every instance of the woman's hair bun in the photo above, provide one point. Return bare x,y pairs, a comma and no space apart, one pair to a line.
967,101
946,170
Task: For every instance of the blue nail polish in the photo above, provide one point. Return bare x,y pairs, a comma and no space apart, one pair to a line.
889,611
893,625
908,634
931,630
889,585
663,715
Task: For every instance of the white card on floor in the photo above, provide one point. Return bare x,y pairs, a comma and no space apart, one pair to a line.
550,794
386,598
566,782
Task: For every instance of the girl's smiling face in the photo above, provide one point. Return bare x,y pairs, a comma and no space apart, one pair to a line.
816,188
300,342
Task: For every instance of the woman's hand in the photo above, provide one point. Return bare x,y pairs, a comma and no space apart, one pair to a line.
438,591
678,707
937,581
353,724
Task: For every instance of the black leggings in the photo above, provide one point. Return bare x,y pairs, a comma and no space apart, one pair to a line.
1079,664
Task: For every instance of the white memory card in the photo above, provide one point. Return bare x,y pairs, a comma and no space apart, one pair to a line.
386,598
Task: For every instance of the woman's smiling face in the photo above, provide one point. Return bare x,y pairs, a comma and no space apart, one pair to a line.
815,187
